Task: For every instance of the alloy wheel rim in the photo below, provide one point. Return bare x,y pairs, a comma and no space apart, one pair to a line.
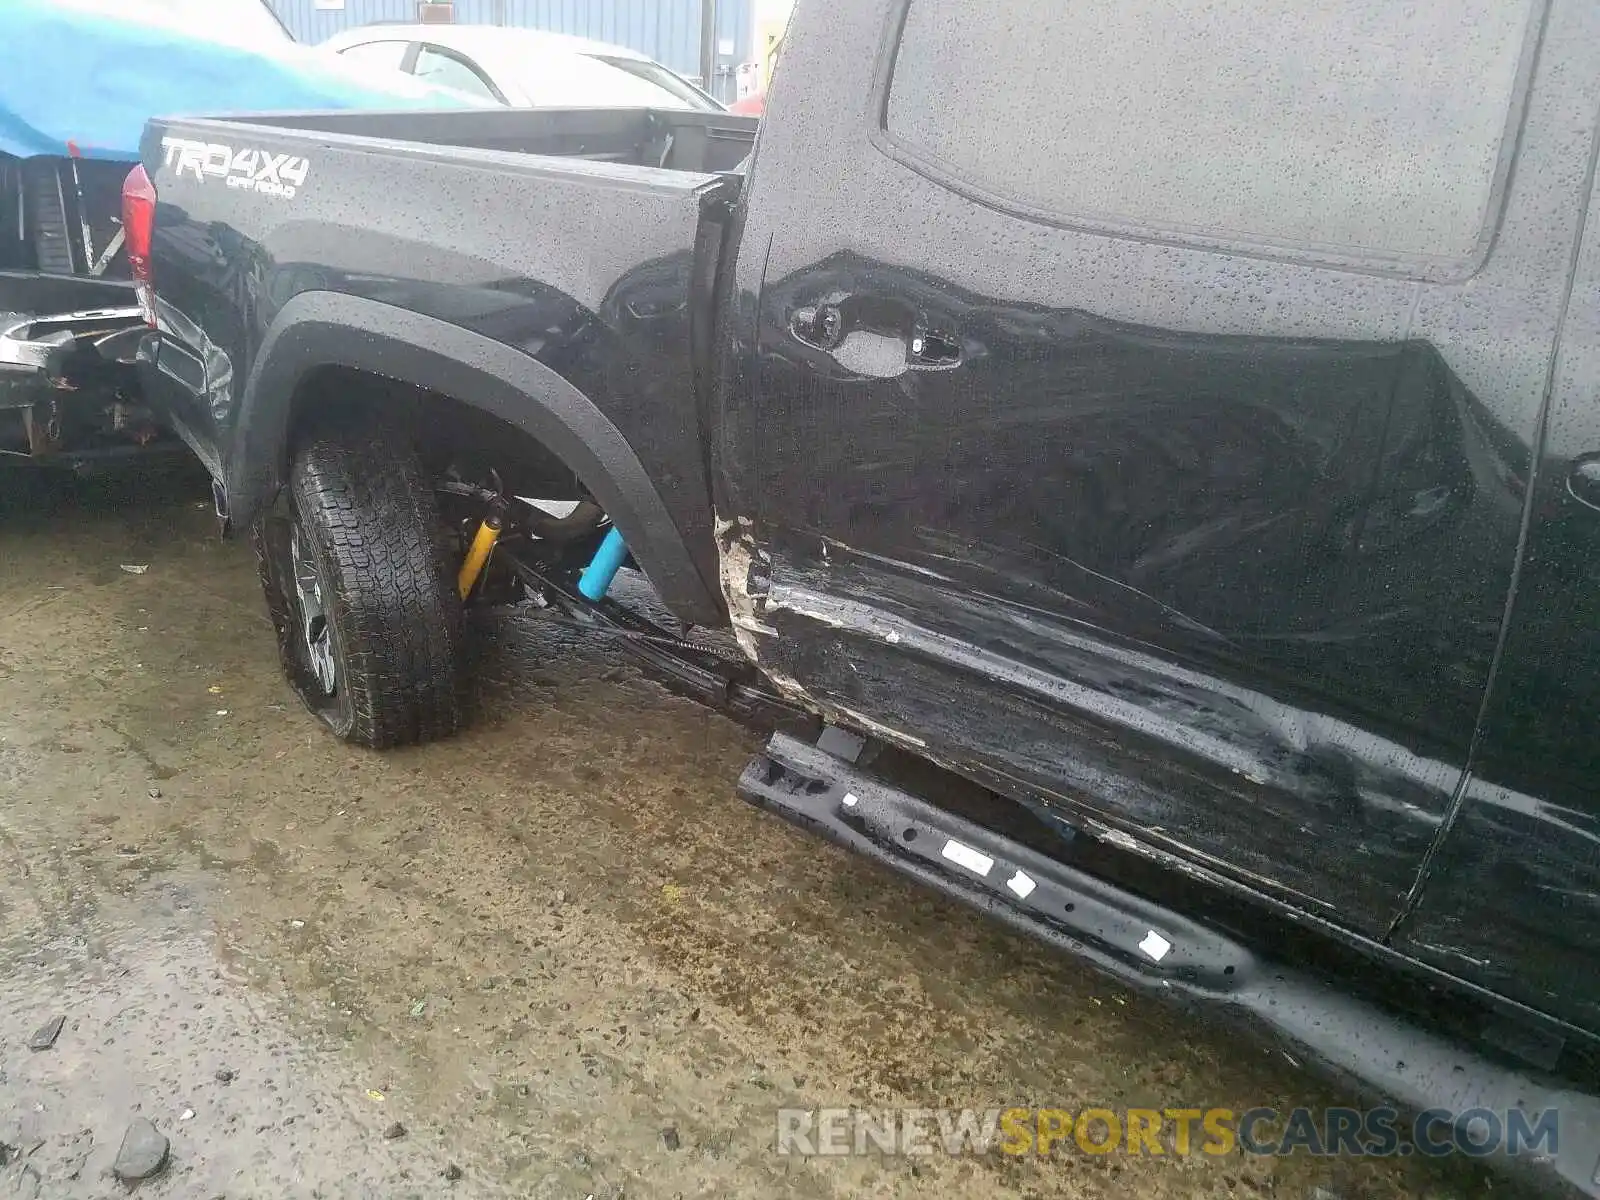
315,632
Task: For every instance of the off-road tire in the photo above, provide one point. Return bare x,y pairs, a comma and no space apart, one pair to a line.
364,513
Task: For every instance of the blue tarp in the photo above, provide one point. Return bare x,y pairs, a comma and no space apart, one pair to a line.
83,76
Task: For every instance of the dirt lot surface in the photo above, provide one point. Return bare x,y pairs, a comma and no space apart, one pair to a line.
555,957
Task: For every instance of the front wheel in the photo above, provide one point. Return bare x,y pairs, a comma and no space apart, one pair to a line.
357,586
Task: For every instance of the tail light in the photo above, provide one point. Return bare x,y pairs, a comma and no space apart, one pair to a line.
138,226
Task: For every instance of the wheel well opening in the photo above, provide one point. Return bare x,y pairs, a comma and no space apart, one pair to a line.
459,443
452,437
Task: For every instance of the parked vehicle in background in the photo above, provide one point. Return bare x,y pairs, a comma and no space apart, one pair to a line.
523,68
755,104
1174,481
72,109
250,23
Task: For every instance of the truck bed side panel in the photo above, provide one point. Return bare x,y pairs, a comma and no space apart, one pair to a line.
454,234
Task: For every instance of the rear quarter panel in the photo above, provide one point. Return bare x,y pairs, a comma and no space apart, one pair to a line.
584,267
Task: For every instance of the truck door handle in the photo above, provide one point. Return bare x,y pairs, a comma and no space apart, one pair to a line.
1584,481
929,349
823,327
819,326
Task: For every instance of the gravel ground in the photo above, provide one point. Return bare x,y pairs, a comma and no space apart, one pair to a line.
555,957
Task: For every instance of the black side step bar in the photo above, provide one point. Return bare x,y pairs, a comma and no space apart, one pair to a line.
1158,951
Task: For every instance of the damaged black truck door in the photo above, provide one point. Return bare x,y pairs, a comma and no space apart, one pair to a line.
1512,899
1143,427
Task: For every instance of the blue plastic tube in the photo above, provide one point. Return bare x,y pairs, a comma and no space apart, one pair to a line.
603,567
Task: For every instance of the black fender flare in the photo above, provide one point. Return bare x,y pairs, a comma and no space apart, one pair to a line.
317,329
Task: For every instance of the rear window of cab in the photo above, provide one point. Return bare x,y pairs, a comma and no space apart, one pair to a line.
1360,129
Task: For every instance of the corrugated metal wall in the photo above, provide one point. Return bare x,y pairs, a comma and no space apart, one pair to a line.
666,30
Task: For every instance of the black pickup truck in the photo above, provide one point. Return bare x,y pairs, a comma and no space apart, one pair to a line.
1171,434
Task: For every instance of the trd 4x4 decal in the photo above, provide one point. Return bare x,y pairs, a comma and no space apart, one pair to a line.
254,170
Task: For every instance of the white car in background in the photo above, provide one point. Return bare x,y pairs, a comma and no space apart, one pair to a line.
523,68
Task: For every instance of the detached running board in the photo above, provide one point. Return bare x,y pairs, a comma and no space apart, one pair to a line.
1158,951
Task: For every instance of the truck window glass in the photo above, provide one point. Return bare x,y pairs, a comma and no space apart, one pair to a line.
1348,125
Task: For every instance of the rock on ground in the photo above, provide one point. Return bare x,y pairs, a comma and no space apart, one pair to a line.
143,1152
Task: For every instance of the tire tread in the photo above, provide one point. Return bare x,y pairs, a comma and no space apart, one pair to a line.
363,498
